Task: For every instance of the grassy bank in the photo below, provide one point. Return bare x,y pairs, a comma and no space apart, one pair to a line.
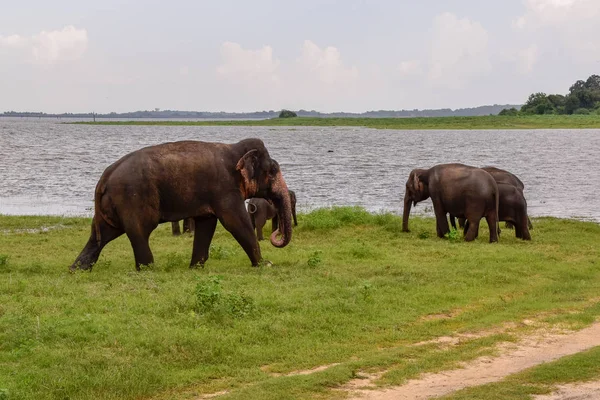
350,289
485,122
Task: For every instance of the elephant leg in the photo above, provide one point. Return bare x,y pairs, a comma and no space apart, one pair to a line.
465,226
138,231
524,228
90,253
453,221
260,221
175,228
188,225
294,214
274,223
461,222
441,221
241,229
492,221
203,234
472,229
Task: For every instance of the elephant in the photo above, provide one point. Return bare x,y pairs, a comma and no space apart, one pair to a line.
500,176
171,181
261,210
188,226
512,208
459,189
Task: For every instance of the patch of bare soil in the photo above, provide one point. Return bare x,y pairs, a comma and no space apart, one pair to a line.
514,358
302,372
579,391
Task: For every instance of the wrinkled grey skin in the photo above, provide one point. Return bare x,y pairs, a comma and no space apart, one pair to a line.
172,181
457,189
262,210
512,208
501,176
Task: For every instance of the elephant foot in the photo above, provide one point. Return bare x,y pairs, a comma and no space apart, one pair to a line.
264,263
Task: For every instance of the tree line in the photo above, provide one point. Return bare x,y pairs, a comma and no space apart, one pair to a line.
583,98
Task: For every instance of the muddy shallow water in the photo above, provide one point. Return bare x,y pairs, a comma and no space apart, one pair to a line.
47,167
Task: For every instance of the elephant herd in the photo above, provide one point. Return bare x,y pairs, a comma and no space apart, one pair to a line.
152,185
470,194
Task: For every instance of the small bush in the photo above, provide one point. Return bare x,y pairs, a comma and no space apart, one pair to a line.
240,305
210,299
174,261
424,235
208,294
219,253
509,112
453,235
287,114
314,259
366,291
4,265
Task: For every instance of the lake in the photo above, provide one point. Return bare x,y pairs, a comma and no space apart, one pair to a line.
51,168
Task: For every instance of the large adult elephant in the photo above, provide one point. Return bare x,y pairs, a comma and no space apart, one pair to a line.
458,189
172,181
262,210
501,176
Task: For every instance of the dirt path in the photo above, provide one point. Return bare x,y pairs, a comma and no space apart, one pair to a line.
516,357
580,391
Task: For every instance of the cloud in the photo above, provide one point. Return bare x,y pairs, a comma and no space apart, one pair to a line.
409,68
527,58
12,41
315,78
66,45
248,67
543,12
567,26
325,65
50,47
459,51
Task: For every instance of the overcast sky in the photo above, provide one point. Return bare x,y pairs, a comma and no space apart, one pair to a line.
327,55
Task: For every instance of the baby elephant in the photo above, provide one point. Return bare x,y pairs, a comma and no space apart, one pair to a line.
261,210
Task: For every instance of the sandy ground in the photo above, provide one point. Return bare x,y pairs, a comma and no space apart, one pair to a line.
527,353
580,391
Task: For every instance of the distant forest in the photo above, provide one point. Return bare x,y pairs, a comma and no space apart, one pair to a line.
583,98
444,112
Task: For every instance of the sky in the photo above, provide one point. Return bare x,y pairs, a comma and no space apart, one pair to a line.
327,55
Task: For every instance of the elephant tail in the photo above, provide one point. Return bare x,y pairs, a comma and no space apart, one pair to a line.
498,209
99,211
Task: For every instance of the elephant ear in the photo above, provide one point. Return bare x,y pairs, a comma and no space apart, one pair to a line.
417,184
247,166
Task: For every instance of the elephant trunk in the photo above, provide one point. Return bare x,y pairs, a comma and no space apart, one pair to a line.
281,198
406,212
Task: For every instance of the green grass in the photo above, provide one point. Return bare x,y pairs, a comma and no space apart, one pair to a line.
351,288
483,122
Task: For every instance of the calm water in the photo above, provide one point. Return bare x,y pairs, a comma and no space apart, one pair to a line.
51,168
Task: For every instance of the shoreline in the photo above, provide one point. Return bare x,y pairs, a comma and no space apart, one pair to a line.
493,122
